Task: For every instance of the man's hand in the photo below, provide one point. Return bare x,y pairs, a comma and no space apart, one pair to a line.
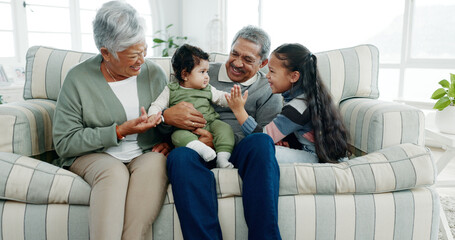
205,136
163,148
183,115
138,125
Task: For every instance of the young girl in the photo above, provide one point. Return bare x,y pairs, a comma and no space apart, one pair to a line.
191,67
309,112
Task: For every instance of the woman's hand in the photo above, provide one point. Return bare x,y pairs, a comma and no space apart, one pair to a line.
183,115
140,124
163,148
237,103
205,136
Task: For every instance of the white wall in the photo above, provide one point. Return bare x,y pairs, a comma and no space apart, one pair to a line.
192,19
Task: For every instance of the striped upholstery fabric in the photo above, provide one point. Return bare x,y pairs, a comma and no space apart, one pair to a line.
382,195
43,221
400,167
29,180
46,68
350,72
409,214
27,127
375,124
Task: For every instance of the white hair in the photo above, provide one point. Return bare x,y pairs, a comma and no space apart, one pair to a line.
117,26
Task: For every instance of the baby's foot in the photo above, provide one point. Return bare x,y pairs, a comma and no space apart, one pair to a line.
223,163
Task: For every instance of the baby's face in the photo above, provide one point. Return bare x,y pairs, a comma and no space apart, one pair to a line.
199,76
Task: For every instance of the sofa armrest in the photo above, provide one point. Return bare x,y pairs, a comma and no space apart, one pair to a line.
29,180
374,124
401,167
27,127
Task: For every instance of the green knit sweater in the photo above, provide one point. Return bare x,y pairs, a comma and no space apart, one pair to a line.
88,110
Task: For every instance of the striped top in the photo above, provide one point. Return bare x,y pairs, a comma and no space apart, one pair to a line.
294,118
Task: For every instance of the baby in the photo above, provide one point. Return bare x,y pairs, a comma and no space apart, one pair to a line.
191,67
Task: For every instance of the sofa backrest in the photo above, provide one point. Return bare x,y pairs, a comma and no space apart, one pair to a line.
348,73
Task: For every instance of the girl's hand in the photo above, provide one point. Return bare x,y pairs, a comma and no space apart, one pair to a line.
282,143
235,100
139,125
163,148
237,103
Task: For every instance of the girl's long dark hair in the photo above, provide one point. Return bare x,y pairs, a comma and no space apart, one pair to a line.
330,135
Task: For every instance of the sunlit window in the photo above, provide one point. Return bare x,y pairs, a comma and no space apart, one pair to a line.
415,37
326,24
52,31
6,30
87,14
433,33
240,13
74,32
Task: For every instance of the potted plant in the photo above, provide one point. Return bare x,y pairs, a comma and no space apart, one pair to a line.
170,42
445,116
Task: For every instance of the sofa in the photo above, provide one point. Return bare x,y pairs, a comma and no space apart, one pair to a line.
383,192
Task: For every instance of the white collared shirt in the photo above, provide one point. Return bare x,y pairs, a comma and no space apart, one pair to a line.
223,77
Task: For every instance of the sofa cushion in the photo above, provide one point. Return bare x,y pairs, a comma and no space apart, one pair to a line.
350,72
28,127
400,167
46,68
374,124
29,180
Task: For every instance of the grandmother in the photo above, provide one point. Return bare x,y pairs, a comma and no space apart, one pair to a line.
101,130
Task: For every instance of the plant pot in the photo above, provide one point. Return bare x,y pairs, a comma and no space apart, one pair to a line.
445,120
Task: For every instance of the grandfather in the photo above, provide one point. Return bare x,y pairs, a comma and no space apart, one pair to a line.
193,183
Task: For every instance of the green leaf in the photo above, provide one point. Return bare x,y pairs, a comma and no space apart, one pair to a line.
168,26
452,78
165,52
451,92
444,83
442,103
157,40
439,93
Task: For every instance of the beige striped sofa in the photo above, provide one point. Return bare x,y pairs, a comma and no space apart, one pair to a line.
385,192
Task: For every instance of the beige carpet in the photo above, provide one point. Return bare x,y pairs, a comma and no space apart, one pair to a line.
448,204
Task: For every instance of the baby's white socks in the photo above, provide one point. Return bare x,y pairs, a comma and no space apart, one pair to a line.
208,154
222,160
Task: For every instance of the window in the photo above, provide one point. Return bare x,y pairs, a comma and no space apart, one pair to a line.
88,12
414,37
6,30
26,23
52,31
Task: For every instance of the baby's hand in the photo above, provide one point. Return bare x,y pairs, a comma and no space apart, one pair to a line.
235,100
155,119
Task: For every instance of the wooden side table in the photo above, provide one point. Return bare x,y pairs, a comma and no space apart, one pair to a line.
447,142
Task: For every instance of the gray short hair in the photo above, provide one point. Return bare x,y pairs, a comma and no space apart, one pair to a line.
256,35
117,26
